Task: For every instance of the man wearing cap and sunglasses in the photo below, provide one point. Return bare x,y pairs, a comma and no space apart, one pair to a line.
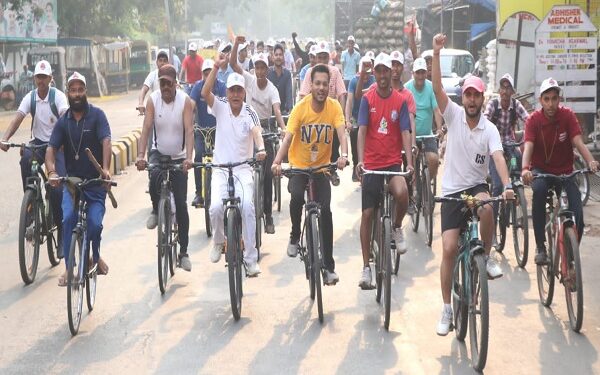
191,67
169,120
238,132
46,105
472,141
83,126
551,133
151,83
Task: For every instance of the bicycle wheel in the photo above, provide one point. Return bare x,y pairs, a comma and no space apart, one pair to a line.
310,257
545,273
416,201
479,313
501,224
520,227
75,282
583,181
573,282
206,188
258,207
277,182
428,208
173,242
51,233
459,299
387,269
163,229
29,236
92,278
378,234
316,270
234,262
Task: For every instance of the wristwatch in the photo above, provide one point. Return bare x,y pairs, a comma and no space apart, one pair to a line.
508,186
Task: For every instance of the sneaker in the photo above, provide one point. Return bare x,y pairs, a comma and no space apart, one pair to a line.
184,262
445,324
411,207
269,226
198,202
365,280
252,269
541,257
398,238
330,278
354,175
493,269
216,251
334,178
292,249
152,221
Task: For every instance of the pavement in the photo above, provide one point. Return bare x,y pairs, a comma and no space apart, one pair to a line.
190,329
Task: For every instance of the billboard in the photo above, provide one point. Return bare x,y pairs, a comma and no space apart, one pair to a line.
36,21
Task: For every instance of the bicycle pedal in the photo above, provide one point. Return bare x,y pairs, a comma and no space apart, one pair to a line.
370,287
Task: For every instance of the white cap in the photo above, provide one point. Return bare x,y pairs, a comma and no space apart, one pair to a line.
242,46
547,84
260,57
419,64
223,46
397,56
364,59
370,54
236,79
43,67
383,59
509,78
351,39
322,47
313,50
208,64
270,43
356,47
193,47
76,77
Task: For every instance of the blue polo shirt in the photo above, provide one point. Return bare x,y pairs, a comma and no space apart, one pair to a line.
352,87
303,71
76,136
350,64
222,75
203,118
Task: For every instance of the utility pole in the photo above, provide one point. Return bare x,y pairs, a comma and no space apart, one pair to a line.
169,29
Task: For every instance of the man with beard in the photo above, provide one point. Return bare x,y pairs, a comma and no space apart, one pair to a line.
262,95
83,126
472,140
310,128
384,131
282,79
238,132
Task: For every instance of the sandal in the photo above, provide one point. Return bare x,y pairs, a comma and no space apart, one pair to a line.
62,280
102,267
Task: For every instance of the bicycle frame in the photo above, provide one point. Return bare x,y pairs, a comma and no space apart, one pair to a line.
560,218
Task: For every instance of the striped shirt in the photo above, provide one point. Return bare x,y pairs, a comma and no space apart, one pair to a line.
503,124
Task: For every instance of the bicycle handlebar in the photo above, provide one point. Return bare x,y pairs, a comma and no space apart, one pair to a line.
562,177
419,137
309,171
81,184
512,144
24,145
470,200
250,161
386,173
165,166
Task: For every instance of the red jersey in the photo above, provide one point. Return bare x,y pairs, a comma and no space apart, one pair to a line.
409,99
193,68
552,147
385,119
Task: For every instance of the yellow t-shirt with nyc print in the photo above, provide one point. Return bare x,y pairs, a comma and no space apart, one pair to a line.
312,132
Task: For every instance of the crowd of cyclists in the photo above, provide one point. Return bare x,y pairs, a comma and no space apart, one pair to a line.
316,97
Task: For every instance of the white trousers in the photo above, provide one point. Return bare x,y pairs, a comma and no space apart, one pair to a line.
244,188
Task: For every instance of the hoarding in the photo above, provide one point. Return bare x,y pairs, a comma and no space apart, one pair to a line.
36,21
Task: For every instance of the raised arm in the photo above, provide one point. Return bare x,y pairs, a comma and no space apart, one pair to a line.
210,82
436,73
233,61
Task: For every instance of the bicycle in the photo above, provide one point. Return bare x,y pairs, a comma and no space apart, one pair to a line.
274,130
167,233
82,272
233,232
36,221
258,175
423,202
382,253
583,179
564,262
310,247
470,303
208,135
514,213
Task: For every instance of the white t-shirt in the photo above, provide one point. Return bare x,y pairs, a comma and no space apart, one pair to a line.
44,120
468,152
234,141
152,81
261,100
169,138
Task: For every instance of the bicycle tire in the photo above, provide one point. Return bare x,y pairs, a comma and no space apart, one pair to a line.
417,194
162,230
428,209
545,273
206,187
387,270
460,307
520,227
378,232
173,242
91,283
75,282
573,288
317,246
29,226
310,258
479,288
50,229
501,224
234,262
583,181
258,208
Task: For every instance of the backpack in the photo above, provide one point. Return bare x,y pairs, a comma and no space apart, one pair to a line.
51,100
512,117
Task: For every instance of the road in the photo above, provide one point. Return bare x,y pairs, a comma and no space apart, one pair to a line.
191,330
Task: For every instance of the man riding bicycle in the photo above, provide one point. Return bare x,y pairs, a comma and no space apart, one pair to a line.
46,106
282,79
313,123
169,118
551,133
238,131
191,67
472,140
384,131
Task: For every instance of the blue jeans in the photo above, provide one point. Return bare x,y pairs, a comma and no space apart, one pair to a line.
497,186
94,197
540,188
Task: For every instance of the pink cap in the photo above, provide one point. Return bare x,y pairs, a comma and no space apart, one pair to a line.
475,83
